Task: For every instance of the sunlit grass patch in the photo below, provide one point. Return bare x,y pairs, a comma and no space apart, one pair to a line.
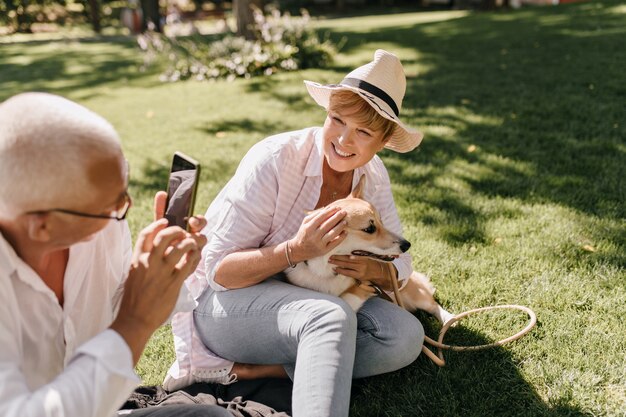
516,194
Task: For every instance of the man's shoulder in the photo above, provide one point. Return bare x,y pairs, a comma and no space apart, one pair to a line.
7,258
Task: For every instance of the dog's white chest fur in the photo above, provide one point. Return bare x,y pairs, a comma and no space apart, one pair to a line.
366,236
317,274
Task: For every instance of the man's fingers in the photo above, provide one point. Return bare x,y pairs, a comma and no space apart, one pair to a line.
146,236
187,265
160,201
174,254
196,224
201,240
165,238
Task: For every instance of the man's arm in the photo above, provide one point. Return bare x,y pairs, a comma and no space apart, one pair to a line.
95,383
162,259
100,376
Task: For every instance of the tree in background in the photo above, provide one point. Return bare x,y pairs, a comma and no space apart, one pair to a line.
94,11
22,14
243,11
151,16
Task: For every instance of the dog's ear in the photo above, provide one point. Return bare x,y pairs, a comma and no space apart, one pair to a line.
358,190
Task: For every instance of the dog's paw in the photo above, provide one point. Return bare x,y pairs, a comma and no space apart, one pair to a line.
354,301
367,288
358,294
444,316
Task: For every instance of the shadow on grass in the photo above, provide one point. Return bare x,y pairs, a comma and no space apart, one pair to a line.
424,389
246,124
537,93
271,87
532,106
66,66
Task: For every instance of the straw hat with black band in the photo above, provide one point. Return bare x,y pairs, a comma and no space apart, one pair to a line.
382,84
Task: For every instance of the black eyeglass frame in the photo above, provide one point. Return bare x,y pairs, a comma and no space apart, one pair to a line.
128,202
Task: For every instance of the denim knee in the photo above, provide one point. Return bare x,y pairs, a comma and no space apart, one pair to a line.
333,315
389,339
409,341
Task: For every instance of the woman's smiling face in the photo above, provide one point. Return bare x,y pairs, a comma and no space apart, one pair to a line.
348,143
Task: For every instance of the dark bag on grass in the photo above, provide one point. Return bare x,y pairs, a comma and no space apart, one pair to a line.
263,397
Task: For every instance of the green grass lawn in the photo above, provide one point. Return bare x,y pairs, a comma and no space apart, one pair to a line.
517,194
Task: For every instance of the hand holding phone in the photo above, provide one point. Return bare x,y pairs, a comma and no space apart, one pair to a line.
181,190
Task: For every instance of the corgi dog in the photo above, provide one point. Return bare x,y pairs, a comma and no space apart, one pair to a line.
366,236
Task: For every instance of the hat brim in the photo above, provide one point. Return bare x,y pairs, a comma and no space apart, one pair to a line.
404,139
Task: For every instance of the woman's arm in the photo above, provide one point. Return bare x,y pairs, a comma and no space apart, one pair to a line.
319,233
248,267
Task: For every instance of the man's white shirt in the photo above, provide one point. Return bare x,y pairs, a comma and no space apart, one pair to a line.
62,361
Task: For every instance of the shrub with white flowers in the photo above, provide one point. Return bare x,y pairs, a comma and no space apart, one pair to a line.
283,43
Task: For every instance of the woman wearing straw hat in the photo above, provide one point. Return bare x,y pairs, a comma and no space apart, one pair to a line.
258,227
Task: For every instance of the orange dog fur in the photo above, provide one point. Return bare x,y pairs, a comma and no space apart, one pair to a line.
366,236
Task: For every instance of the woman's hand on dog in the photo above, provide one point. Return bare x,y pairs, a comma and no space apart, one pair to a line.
320,232
363,269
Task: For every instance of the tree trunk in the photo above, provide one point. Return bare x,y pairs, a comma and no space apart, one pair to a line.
245,19
494,4
151,13
94,5
22,18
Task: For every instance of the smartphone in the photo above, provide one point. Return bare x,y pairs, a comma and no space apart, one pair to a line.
182,187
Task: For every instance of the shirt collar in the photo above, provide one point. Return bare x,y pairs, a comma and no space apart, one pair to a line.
12,265
8,258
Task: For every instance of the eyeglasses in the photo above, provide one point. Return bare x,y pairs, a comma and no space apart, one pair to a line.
118,214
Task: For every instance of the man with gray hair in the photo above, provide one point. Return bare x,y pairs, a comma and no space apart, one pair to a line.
77,302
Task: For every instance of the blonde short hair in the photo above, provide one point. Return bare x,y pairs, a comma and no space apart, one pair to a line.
46,144
348,102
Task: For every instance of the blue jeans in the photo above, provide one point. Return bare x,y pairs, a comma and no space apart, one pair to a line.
317,337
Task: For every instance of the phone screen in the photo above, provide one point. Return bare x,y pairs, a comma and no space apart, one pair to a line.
181,190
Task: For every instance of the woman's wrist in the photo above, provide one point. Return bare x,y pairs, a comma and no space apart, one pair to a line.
293,250
385,275
382,267
288,255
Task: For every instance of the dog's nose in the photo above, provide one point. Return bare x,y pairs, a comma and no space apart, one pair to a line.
404,245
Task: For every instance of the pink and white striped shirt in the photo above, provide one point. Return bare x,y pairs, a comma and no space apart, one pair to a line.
276,183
